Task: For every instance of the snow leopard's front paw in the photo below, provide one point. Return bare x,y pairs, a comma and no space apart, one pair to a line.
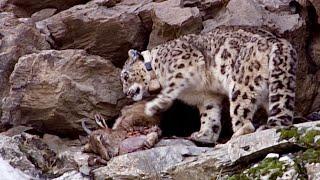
151,108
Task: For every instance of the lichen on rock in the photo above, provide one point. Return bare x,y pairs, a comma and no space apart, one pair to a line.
307,137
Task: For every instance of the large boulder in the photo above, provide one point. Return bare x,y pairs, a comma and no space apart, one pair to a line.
16,39
171,21
276,17
52,90
256,13
108,32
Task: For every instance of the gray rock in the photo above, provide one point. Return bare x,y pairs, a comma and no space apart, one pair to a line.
43,14
171,21
174,142
148,163
52,90
208,8
15,130
251,13
108,32
33,158
16,39
68,151
191,162
144,11
11,153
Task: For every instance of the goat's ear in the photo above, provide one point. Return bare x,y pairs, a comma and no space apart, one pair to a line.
133,54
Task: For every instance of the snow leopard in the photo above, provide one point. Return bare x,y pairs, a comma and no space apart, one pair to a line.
250,66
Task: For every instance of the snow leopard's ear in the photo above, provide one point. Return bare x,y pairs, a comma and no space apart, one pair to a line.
134,55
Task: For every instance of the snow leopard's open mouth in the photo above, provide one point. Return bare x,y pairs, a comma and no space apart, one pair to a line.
137,93
133,92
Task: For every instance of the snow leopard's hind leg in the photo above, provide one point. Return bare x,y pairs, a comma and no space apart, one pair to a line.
242,109
282,84
243,95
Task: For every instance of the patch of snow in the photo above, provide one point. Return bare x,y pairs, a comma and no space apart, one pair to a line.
272,155
287,160
10,173
316,138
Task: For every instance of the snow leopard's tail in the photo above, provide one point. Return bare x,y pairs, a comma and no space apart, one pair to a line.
282,83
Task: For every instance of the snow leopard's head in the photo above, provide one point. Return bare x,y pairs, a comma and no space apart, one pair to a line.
135,78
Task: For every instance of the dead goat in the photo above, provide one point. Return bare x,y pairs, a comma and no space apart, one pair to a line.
132,131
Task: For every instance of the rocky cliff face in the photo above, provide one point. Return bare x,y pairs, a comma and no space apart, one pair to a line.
60,62
51,89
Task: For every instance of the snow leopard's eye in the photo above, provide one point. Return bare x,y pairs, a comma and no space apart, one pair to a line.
125,76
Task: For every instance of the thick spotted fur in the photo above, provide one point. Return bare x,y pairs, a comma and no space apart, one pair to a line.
251,66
